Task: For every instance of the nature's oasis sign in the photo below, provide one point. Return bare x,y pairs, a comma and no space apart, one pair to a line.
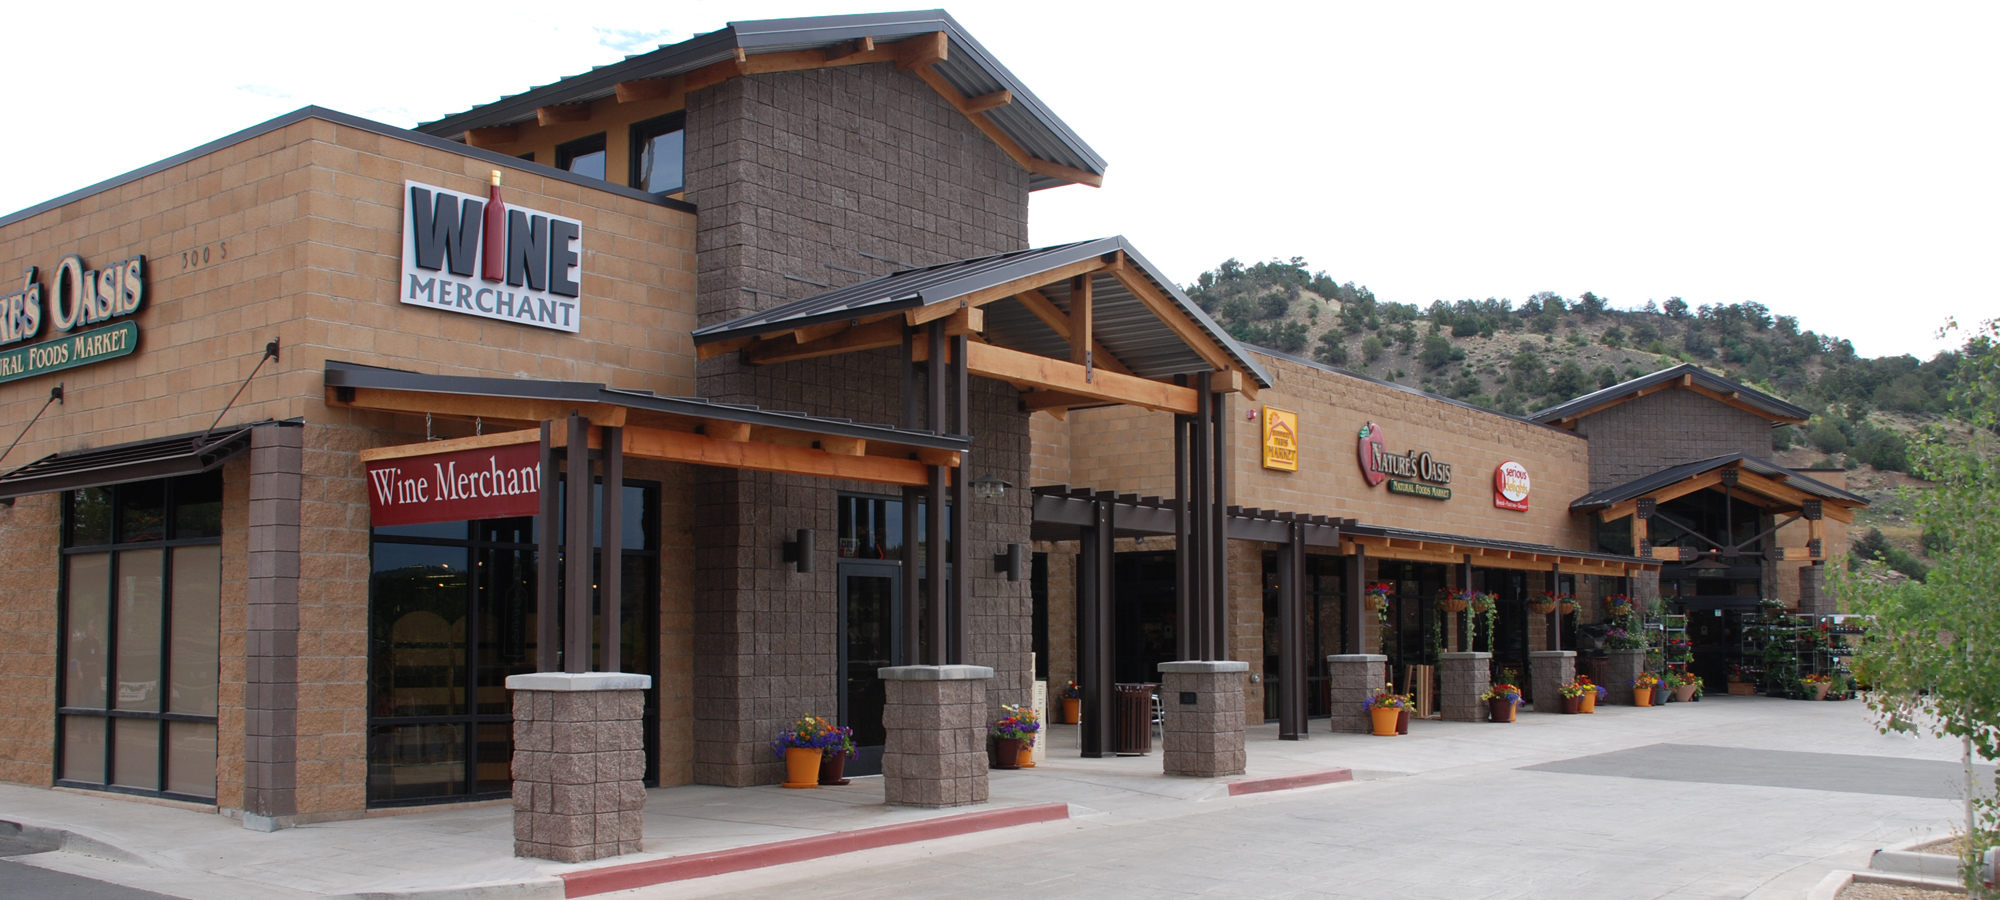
481,483
1379,465
488,259
76,296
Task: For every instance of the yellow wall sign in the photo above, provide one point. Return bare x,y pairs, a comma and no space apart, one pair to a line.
1281,439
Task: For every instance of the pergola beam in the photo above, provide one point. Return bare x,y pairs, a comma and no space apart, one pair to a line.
1056,375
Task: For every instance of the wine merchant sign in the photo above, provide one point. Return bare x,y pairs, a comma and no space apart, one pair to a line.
76,296
485,258
479,483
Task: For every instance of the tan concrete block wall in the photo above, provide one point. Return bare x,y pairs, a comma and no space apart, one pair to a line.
28,547
675,678
1048,441
232,664
302,230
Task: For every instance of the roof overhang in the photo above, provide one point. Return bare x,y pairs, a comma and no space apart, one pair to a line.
928,43
1687,377
168,457
1759,482
676,429
1085,324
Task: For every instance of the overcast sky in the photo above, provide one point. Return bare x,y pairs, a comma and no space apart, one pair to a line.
1832,161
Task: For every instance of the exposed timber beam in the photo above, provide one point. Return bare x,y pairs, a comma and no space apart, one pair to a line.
564,112
1014,366
1036,302
494,136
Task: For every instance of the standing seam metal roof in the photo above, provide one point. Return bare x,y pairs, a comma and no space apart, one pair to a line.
1772,406
1640,487
968,67
1125,325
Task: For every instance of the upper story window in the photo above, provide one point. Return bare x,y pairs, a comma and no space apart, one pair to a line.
583,156
658,154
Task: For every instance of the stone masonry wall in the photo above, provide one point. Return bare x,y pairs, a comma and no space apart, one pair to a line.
1666,429
796,173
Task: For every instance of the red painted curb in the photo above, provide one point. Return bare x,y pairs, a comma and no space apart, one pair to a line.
737,859
1287,782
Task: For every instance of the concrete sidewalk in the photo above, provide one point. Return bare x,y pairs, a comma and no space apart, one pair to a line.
467,852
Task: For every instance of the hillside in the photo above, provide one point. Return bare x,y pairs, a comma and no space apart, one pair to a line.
1515,358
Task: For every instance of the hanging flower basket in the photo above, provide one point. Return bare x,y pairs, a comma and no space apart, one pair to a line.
1568,605
1542,604
1456,601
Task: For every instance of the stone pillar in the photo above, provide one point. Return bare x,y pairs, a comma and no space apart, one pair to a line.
579,764
1352,678
1549,670
935,755
271,632
1201,735
1462,677
1625,667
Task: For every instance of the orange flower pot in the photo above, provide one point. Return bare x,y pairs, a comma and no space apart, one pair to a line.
1642,696
1589,699
801,767
1383,720
1072,710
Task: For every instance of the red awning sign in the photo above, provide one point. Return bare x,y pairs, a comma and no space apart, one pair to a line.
481,483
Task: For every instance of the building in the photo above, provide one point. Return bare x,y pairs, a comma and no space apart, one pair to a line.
264,557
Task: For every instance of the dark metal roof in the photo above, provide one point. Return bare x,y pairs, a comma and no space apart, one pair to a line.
968,67
182,454
1123,324
1772,407
356,375
340,118
1640,487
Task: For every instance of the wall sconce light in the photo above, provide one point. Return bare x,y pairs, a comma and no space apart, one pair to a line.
801,550
1009,562
987,487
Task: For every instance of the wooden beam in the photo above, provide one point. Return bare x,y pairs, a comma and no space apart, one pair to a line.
1038,401
687,447
1679,489
1014,366
920,53
1081,318
722,430
924,315
1038,280
723,348
938,457
492,136
842,51
984,102
477,442
565,112
1036,302
1642,531
844,446
1007,144
1234,381
1170,312
491,409
886,333
651,89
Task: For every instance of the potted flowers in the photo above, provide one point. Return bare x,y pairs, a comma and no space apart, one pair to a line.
1501,701
1618,605
833,761
1818,684
1592,693
1742,681
1643,687
1385,709
1686,684
1456,601
1572,696
1072,708
1011,734
802,746
1544,602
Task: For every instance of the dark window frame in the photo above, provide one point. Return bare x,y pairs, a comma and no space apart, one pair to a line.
645,131
116,546
470,717
568,151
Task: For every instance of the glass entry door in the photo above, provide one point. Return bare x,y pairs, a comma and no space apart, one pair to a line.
871,611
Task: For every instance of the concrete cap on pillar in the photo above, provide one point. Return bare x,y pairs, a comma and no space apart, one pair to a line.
1203,666
1470,654
579,681
1545,654
1357,657
934,673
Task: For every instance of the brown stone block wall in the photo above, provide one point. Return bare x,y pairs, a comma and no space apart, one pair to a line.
936,754
1666,429
1203,739
578,768
30,542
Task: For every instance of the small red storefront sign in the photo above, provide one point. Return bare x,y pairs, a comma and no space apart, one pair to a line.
479,483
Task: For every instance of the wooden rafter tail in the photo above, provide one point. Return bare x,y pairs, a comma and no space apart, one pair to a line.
492,136
563,112
670,88
919,53
984,102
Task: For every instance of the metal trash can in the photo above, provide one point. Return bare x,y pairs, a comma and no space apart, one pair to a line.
1135,718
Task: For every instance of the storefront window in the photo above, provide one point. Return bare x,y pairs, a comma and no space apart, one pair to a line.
584,156
658,148
452,612
141,599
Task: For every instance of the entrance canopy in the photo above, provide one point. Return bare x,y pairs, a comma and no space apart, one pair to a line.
1764,486
183,454
677,429
1084,324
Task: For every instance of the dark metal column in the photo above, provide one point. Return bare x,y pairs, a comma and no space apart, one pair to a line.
1218,508
1200,473
1351,611
1555,615
1094,629
548,629
1464,617
610,589
961,509
934,514
912,595
1186,597
1291,636
576,550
